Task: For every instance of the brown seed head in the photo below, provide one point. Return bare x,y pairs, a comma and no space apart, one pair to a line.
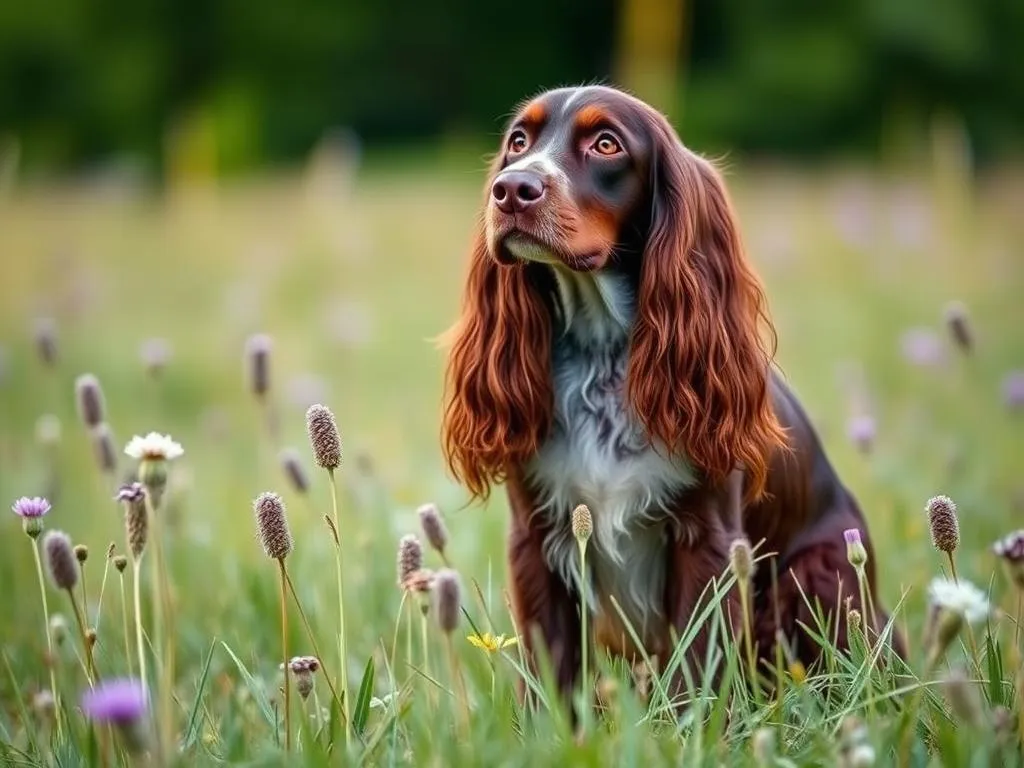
136,521
103,447
272,525
410,558
111,549
46,340
294,471
582,523
257,352
944,524
741,559
81,553
323,436
89,397
421,581
447,599
959,324
853,621
433,526
60,559
120,562
90,637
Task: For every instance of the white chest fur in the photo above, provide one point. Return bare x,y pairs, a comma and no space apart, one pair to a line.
597,455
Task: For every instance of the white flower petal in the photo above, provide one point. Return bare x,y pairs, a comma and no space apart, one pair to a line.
959,596
154,446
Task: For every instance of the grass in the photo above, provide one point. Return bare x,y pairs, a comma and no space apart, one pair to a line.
351,285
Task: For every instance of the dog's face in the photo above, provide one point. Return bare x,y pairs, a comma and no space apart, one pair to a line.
571,173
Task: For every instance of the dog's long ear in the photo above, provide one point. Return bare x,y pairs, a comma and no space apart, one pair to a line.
698,377
498,395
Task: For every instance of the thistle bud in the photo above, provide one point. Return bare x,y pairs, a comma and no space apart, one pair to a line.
89,397
433,526
945,527
120,563
136,519
304,668
81,553
447,599
60,558
856,554
582,523
272,525
323,436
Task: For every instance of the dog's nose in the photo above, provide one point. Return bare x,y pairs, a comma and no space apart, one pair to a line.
515,191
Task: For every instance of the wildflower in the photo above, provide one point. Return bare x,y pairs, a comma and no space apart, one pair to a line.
447,599
153,452
421,582
48,430
293,469
81,553
953,603
120,563
272,525
741,559
324,437
582,523
798,672
31,512
861,431
153,447
257,352
1013,390
46,340
923,347
958,323
944,525
855,551
60,557
433,527
490,642
960,597
303,668
136,520
155,354
410,558
44,703
123,703
89,397
853,620
1011,549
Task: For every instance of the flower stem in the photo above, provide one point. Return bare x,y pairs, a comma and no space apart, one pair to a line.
90,662
51,660
312,641
744,588
137,578
459,684
426,650
952,567
284,651
124,622
103,589
584,610
342,651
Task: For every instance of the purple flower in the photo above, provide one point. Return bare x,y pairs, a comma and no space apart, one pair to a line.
121,701
30,508
852,535
1013,389
855,551
861,432
923,347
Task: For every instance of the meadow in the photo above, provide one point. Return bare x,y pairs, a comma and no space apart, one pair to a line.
348,275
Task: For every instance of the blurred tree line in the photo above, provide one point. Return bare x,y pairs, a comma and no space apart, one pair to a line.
82,80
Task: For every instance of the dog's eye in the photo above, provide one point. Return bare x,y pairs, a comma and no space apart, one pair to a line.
517,142
607,144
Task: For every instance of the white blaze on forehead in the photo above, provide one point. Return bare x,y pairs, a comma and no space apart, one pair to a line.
540,162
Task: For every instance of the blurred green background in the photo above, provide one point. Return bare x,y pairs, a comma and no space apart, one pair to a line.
197,172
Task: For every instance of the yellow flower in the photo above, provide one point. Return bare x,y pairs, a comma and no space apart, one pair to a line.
797,672
492,643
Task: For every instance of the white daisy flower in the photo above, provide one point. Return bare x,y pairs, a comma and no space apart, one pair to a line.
959,597
154,447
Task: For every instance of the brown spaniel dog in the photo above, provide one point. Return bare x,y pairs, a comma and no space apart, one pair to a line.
614,350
